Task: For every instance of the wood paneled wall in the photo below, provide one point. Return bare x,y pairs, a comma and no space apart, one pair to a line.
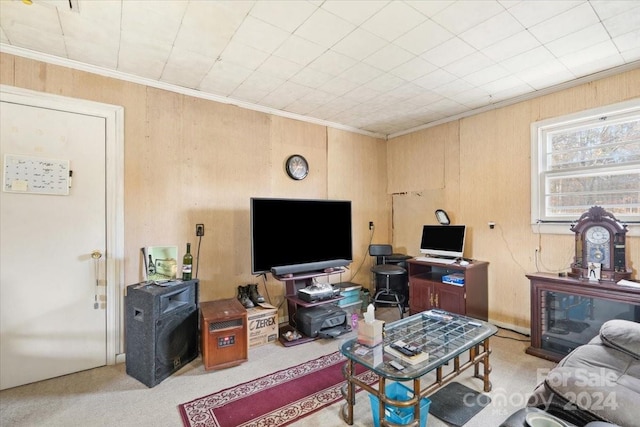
487,178
189,160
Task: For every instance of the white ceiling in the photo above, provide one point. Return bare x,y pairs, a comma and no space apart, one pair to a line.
378,67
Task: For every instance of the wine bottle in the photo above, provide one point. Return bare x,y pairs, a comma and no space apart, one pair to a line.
151,268
187,263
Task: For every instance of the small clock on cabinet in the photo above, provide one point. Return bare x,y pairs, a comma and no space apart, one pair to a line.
600,245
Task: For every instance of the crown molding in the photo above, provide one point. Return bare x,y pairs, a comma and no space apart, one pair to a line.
94,69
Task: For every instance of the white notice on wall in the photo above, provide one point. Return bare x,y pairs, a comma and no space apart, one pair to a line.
35,175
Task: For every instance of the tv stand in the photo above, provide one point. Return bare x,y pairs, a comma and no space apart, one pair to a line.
294,282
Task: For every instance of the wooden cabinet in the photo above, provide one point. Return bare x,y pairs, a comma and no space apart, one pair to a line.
567,312
427,291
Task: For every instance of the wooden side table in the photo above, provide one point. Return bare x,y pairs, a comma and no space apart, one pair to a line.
223,328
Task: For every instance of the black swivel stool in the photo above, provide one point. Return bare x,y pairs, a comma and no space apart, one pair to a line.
387,296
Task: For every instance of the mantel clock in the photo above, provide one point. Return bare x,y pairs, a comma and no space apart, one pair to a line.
600,247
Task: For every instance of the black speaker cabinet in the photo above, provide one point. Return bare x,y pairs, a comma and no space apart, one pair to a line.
161,324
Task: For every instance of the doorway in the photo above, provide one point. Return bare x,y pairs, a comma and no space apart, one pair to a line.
60,252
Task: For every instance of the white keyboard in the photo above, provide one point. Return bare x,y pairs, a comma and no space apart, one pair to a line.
436,260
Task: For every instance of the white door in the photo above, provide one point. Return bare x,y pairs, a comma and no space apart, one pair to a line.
52,291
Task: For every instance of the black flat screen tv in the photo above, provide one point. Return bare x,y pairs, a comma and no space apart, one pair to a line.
299,235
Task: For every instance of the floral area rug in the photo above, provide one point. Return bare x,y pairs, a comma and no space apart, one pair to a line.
277,399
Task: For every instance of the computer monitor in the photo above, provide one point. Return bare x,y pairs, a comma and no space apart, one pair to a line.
443,240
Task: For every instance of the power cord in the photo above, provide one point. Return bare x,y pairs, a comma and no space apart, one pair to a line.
354,274
512,338
198,257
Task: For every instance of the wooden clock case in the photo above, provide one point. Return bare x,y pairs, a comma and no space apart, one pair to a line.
609,251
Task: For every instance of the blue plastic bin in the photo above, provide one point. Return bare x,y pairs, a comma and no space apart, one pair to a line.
403,416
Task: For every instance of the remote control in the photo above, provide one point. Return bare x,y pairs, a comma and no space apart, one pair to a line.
404,350
396,365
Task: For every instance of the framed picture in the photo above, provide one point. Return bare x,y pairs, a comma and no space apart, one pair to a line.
160,262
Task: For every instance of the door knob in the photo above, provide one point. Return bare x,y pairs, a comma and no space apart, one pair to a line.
96,254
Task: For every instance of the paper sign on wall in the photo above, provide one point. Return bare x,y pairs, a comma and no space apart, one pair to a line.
36,175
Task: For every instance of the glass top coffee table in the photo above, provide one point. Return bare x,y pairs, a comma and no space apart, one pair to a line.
444,336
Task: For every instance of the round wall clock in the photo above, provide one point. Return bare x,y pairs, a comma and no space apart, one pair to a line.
297,167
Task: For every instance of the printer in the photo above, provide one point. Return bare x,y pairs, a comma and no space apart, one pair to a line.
318,292
324,321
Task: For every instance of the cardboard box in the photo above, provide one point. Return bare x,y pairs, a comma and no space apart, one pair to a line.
370,334
263,326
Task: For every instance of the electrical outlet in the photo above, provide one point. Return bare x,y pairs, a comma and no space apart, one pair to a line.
199,229
370,225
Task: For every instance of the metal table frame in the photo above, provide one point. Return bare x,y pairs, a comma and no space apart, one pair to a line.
445,336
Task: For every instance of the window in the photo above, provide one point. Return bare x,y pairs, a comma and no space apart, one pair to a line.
587,159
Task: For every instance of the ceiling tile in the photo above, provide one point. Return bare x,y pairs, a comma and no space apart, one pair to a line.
311,78
565,23
486,75
609,8
106,56
279,67
425,36
628,43
531,13
299,50
464,66
152,19
385,82
332,63
511,46
249,93
589,60
224,77
260,35
433,80
389,57
491,31
207,27
578,41
531,58
464,14
361,73
359,44
413,69
244,55
431,7
394,20
137,54
186,68
354,11
448,52
623,23
324,28
284,14
545,75
284,95
338,86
